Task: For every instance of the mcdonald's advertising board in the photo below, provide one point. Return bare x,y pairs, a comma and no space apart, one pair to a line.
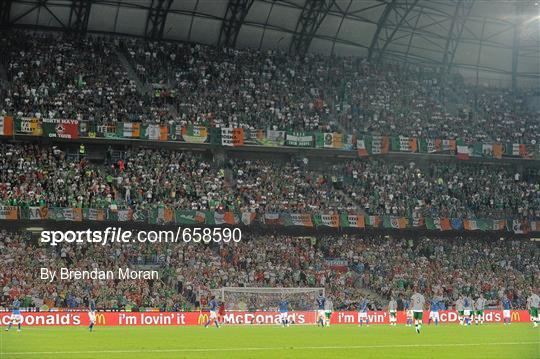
231,317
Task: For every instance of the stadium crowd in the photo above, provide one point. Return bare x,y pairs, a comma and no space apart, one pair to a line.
440,190
33,175
255,89
265,186
36,175
55,75
445,267
62,76
188,272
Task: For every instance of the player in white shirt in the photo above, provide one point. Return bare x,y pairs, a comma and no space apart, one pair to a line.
460,309
480,305
392,310
92,315
533,303
328,309
417,303
92,319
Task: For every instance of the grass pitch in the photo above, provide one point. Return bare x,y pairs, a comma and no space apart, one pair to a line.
340,341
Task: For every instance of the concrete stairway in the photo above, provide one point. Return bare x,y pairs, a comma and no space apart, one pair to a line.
141,87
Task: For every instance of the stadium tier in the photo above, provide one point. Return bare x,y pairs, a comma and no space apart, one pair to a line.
55,76
150,180
269,178
346,266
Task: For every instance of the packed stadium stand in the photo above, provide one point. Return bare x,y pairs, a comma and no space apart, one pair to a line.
202,85
367,167
439,266
37,175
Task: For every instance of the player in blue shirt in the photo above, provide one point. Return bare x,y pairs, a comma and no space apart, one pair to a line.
284,312
213,312
442,306
506,305
408,312
16,317
434,311
363,308
468,310
321,314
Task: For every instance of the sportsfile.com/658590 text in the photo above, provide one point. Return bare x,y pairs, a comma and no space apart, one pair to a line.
118,235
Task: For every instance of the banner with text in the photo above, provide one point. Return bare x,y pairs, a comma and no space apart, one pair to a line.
61,318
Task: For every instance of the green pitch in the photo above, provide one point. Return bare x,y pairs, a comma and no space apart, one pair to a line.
378,341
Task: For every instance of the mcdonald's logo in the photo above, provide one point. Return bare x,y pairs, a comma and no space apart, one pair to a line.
203,318
100,319
515,316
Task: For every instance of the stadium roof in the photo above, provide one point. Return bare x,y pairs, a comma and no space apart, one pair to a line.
496,41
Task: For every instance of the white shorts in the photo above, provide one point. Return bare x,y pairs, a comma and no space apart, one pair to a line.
321,313
467,312
213,314
283,316
363,315
16,318
434,315
506,313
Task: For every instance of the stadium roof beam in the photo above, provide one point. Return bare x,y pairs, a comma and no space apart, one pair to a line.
155,21
311,17
522,9
515,54
235,15
394,15
411,35
339,28
39,4
79,15
461,14
479,54
5,10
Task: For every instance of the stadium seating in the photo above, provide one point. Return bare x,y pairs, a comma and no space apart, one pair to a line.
36,175
58,76
187,271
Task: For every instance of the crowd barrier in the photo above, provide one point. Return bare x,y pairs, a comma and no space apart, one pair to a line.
170,216
364,144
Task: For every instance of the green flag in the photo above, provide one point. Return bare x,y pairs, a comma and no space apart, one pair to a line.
215,136
190,217
395,143
319,140
344,220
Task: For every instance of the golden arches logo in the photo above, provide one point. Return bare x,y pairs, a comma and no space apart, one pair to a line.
203,318
516,317
100,319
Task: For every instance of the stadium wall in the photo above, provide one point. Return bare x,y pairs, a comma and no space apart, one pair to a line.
200,318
